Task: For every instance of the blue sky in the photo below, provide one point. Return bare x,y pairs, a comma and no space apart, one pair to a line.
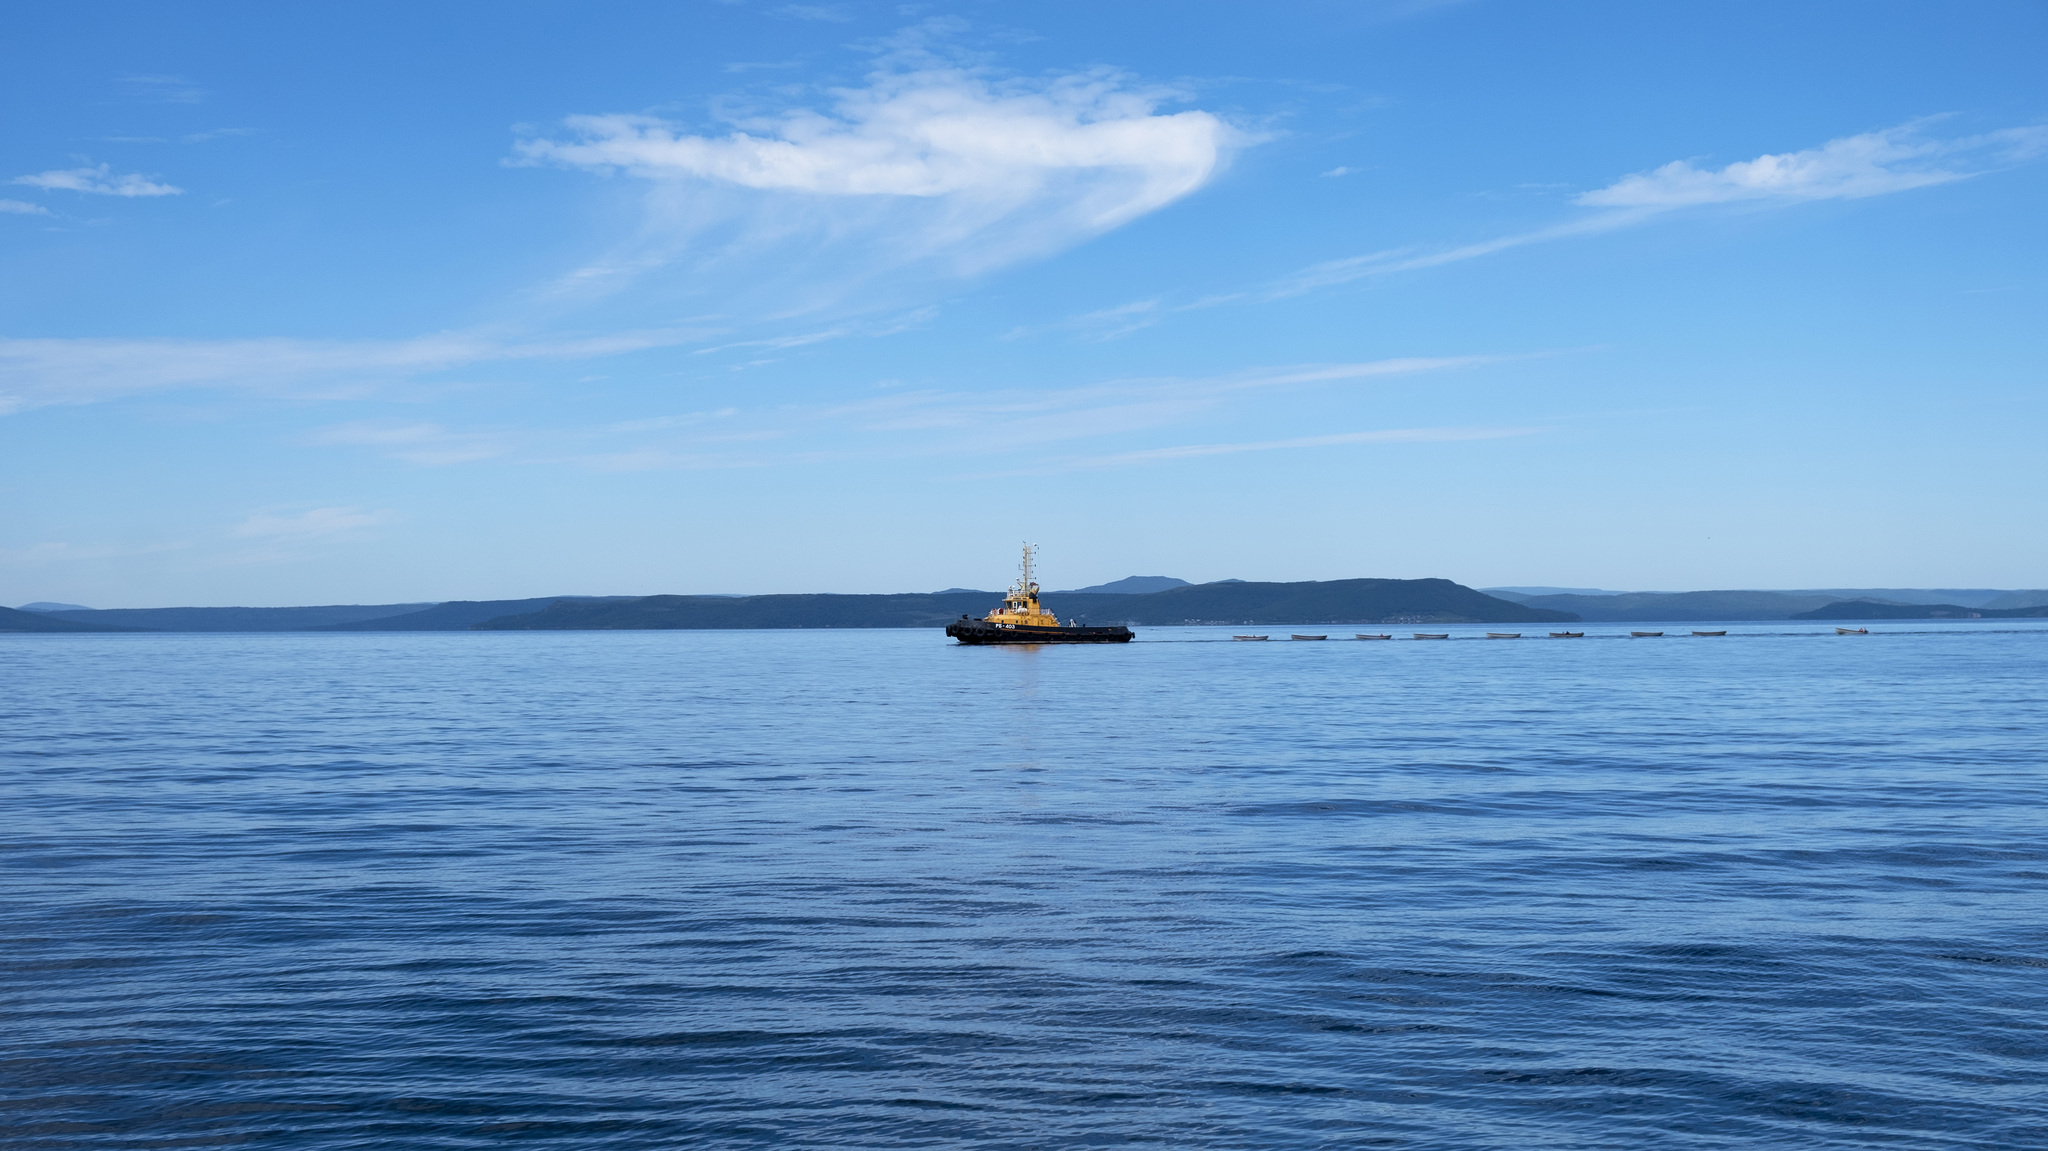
381,302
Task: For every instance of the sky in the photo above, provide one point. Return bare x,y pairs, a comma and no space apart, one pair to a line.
398,302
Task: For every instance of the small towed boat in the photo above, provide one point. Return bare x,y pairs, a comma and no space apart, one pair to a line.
1362,635
1710,633
1567,635
1427,635
1645,634
1852,631
1503,635
1249,637
1308,637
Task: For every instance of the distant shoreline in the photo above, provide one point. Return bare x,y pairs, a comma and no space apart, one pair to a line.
1334,603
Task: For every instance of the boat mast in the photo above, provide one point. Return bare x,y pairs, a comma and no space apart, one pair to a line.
1026,583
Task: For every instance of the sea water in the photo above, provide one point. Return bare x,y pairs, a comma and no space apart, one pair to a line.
830,889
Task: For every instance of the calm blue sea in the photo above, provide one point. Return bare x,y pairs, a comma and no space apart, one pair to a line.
833,889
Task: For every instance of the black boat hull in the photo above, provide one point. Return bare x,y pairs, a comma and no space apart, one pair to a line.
981,631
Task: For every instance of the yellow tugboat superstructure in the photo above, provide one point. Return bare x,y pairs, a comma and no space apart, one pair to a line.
1022,619
1021,605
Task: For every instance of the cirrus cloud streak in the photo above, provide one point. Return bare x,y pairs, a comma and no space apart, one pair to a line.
1852,167
1869,164
43,372
945,170
98,181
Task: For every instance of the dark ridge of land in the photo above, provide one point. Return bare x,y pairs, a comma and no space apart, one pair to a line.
1233,602
1680,607
232,618
1336,601
1756,603
674,612
12,620
1362,601
2033,598
1867,609
1971,597
461,614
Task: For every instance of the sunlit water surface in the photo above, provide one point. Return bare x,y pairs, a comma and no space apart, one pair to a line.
871,889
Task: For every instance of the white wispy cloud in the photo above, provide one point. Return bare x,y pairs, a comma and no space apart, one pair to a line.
947,168
1333,272
163,89
1868,164
99,181
828,13
934,134
980,422
22,208
42,372
59,552
317,523
896,425
924,169
426,444
1383,436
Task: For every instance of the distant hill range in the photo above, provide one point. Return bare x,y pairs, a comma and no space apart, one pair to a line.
1129,585
1704,606
1137,600
232,618
1232,602
1867,609
12,620
463,614
453,616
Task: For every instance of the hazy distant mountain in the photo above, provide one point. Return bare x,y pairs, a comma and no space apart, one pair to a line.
2033,598
12,620
234,618
1169,601
1681,607
1871,609
1233,602
1700,606
1129,585
1525,594
1963,597
459,615
1334,601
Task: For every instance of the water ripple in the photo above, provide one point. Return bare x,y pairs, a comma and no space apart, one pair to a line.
826,890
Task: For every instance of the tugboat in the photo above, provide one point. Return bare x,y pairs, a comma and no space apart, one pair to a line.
1022,620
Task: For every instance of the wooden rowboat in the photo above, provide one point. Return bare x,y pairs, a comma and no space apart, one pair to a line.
1567,635
1427,635
1308,637
1503,635
1645,634
1852,631
1710,633
1362,635
1249,637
